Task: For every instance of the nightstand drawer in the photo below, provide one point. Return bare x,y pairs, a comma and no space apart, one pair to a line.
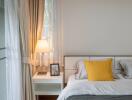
48,80
47,89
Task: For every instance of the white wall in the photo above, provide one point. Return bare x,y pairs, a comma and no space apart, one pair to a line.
97,26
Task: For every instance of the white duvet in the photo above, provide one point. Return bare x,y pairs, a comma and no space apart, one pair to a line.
80,87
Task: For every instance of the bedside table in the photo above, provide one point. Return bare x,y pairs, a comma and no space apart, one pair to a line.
47,85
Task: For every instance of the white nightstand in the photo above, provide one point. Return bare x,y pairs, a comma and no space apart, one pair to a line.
47,85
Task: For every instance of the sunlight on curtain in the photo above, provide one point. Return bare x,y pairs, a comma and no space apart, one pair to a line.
52,32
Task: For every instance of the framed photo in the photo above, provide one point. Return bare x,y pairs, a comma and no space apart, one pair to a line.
54,70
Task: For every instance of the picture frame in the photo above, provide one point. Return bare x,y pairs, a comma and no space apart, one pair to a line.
54,69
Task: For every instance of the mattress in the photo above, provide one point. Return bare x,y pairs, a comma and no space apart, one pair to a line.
100,97
119,89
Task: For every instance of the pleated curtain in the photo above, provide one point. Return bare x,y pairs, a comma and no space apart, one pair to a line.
36,14
13,56
31,20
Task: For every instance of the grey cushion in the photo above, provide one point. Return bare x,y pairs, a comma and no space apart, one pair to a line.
127,68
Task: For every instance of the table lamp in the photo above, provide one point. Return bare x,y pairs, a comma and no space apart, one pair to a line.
42,48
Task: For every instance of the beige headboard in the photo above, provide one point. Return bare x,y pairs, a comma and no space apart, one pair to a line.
71,60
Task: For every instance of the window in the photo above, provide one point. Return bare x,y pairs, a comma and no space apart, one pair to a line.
48,19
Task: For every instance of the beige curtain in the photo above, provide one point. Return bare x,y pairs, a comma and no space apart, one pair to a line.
31,14
36,14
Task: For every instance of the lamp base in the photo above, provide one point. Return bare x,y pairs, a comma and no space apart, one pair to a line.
42,73
42,70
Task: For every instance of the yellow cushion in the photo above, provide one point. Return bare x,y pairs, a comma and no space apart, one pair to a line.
99,70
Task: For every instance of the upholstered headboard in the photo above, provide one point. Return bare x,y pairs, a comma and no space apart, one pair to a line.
71,60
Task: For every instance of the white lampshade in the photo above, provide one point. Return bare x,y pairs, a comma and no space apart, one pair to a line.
42,46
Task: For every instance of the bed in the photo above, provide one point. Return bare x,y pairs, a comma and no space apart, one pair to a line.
119,89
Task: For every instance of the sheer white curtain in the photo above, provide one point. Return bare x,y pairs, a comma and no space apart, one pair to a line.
22,30
52,31
13,62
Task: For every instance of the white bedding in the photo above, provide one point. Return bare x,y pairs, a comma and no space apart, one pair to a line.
79,87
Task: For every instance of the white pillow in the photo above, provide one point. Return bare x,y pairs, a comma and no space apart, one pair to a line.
127,68
81,71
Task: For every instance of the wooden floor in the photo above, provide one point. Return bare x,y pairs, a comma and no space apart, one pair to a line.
48,97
